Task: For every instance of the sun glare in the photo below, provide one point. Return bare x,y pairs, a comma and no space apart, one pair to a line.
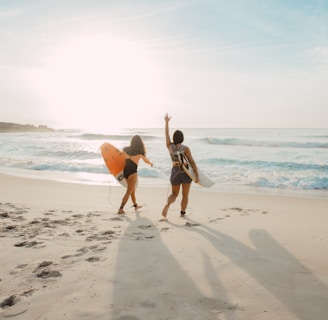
96,82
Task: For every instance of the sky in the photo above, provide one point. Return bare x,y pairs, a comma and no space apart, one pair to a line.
101,64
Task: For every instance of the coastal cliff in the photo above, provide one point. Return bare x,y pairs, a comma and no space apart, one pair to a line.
15,127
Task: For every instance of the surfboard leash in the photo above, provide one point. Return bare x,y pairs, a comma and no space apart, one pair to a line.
109,198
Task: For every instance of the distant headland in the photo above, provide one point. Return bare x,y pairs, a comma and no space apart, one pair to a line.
16,127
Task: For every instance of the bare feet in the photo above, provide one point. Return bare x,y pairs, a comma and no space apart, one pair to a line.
136,207
120,211
164,212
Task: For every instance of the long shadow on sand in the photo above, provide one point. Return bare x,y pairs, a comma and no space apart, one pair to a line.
276,269
149,283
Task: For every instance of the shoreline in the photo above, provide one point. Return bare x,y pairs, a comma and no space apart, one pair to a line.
65,252
236,161
109,181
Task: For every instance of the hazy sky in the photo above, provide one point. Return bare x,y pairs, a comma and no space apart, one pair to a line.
124,63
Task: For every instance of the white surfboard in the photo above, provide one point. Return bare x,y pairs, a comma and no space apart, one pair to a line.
204,180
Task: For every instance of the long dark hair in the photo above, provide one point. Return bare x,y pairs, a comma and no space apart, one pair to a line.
136,146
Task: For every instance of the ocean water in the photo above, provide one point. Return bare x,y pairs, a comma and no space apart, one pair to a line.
278,161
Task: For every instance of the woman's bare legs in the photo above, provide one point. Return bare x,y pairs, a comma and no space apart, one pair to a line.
134,200
185,198
130,191
172,197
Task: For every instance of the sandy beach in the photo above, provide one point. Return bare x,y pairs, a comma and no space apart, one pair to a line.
66,254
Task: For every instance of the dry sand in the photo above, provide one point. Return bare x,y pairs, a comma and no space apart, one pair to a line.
66,254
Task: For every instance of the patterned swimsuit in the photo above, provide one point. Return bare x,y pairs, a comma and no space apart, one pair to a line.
178,175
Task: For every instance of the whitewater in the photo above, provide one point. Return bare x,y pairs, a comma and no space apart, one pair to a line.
277,161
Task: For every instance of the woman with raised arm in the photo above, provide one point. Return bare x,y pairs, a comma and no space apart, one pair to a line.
180,155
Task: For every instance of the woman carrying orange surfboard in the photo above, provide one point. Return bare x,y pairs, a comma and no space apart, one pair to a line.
133,153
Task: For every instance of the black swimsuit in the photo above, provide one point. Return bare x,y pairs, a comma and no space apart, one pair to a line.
130,168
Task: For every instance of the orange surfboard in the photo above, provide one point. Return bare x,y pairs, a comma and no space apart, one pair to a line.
114,161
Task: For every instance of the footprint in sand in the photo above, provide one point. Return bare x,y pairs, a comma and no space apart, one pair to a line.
42,271
214,220
11,227
78,216
145,226
107,235
43,265
13,306
117,219
93,259
85,250
65,234
44,274
190,224
245,212
140,236
4,215
69,256
27,244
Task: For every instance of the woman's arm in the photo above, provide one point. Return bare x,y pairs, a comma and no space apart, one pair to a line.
144,158
167,131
